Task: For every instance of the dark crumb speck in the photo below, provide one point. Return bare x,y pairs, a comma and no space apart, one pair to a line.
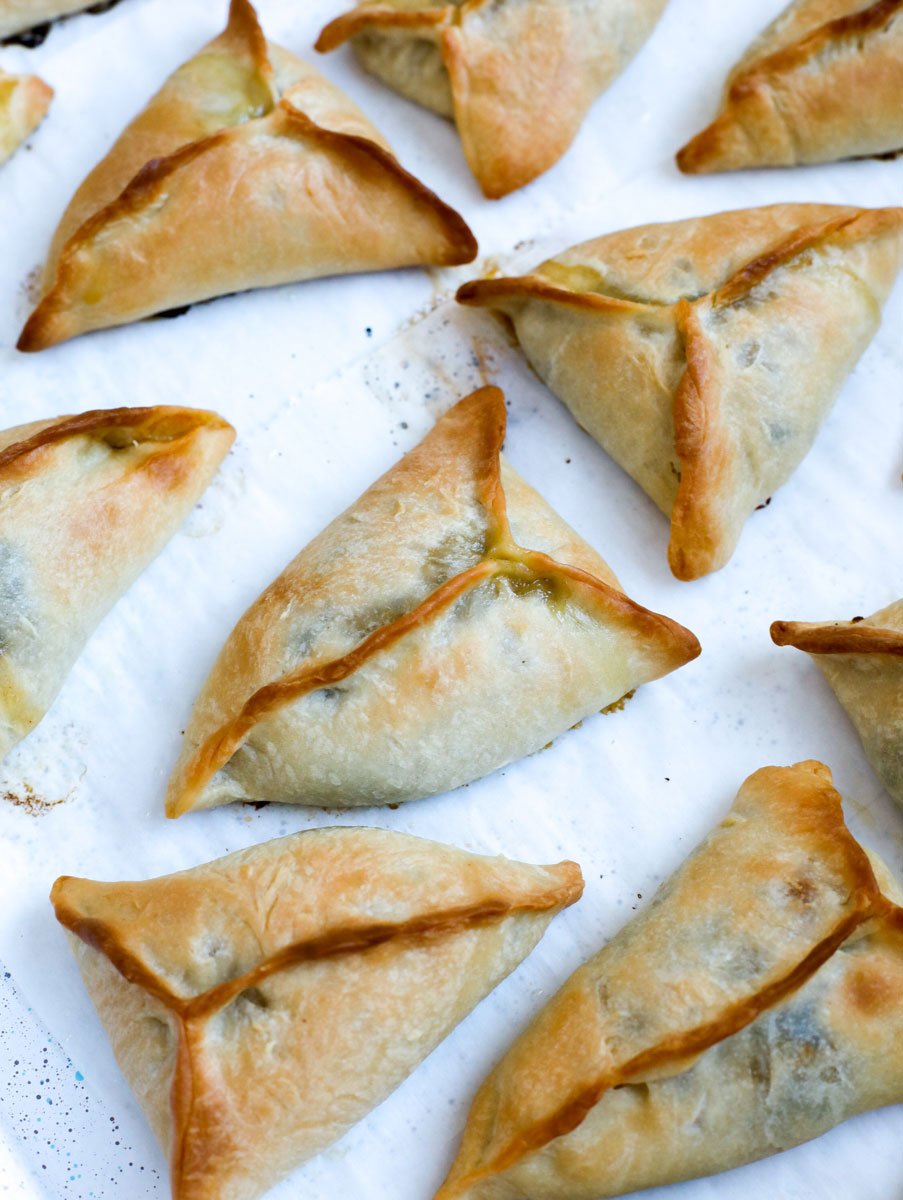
368,331
27,799
567,460
765,505
856,620
403,425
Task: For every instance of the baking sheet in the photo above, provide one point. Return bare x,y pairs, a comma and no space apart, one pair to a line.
328,383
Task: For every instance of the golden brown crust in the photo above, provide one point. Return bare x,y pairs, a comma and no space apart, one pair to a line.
705,444
480,422
686,1045
106,938
751,87
837,637
53,321
483,293
24,101
161,423
519,78
462,245
812,815
195,1132
347,25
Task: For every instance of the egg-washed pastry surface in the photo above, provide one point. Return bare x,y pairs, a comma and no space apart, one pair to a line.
823,82
86,502
704,354
516,76
417,644
755,1004
247,169
862,660
262,1004
24,100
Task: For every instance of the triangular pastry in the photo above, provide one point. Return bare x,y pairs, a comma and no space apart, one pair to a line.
703,355
261,1005
823,82
24,100
863,662
247,169
416,644
517,79
18,16
85,503
756,1003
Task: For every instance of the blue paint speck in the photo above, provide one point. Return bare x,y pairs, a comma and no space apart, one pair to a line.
79,1077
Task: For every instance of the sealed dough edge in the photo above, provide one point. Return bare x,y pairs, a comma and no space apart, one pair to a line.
262,1004
448,648
753,1005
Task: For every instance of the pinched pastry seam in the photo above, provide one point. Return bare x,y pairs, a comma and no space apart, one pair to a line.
865,904
757,77
497,171
502,558
162,424
149,184
838,637
121,428
701,441
358,19
190,1013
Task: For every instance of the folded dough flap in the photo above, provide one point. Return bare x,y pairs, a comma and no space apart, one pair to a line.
415,644
703,355
248,169
774,894
821,83
517,78
24,100
278,994
862,660
88,501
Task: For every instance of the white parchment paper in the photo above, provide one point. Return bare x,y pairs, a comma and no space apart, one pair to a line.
328,383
